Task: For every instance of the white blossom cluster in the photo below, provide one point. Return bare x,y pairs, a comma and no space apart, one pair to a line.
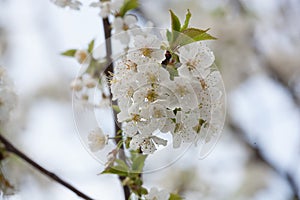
86,87
73,4
155,194
7,96
107,7
151,100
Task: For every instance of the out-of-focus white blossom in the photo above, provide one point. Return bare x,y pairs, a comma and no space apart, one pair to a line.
8,97
89,81
82,56
156,194
76,84
97,140
107,7
73,4
122,25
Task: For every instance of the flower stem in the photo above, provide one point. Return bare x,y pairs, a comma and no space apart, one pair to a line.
10,148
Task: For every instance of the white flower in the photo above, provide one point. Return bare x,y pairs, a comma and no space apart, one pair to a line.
7,103
147,50
181,94
76,84
82,56
8,97
4,78
136,120
89,81
146,143
152,73
195,58
184,127
97,140
122,26
73,4
107,7
155,194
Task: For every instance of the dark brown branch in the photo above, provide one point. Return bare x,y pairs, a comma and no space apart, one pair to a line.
109,69
108,48
10,148
239,133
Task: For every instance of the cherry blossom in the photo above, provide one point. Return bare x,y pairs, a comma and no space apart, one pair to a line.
97,140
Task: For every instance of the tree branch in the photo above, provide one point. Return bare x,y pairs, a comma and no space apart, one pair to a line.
241,135
107,72
10,148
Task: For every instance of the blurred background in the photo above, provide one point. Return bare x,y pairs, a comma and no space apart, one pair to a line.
258,53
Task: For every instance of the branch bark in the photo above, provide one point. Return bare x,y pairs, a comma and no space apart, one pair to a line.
10,148
109,69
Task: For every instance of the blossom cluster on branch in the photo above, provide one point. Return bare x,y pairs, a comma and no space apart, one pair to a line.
162,82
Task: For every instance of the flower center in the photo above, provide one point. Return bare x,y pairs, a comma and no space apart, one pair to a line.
131,65
151,96
158,114
147,52
82,57
181,90
136,117
125,27
191,65
151,78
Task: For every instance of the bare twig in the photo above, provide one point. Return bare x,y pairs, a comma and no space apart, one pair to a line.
10,148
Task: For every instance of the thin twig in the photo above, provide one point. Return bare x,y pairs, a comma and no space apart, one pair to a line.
10,148
107,72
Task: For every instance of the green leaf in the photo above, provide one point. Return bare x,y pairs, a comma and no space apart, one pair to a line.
121,168
70,53
186,21
116,108
198,34
175,197
142,191
191,35
128,5
175,22
91,46
122,164
118,170
138,163
169,36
